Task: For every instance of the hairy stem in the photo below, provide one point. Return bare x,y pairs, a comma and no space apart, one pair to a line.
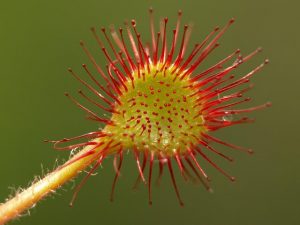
37,191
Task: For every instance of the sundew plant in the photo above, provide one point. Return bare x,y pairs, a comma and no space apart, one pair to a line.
162,108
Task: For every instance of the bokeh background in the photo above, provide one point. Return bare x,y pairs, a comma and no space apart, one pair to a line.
40,39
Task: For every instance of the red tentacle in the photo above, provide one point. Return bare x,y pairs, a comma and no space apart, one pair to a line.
174,181
118,169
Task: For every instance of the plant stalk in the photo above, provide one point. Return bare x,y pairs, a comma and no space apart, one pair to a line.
26,199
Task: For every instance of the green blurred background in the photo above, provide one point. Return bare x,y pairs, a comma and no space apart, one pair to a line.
40,39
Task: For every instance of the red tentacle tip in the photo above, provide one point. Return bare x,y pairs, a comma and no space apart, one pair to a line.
233,179
268,104
250,151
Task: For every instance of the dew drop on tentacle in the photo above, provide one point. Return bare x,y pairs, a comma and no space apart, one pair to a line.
228,117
